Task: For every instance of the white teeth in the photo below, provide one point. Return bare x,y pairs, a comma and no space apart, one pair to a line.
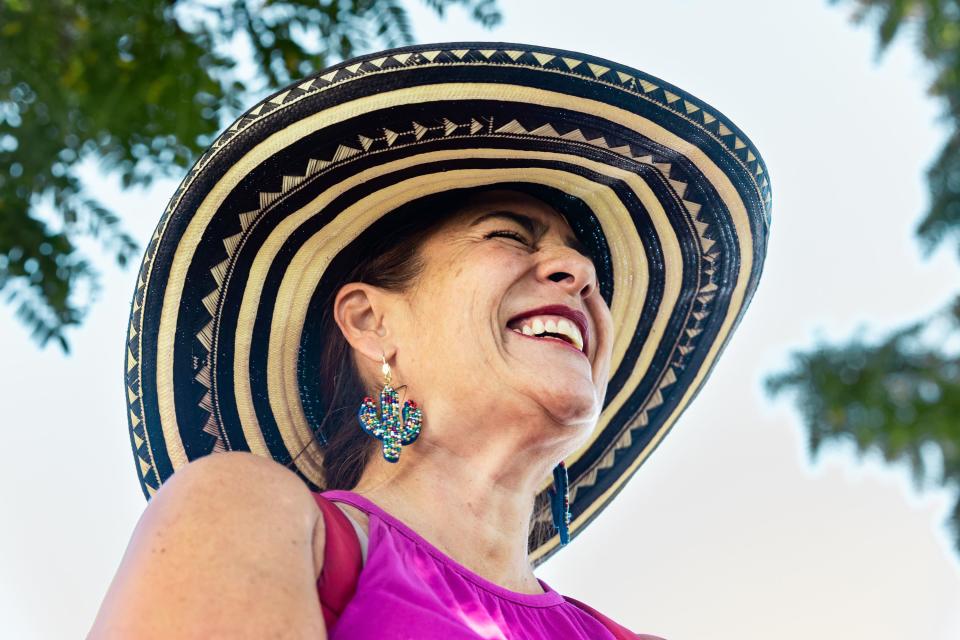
561,326
570,330
577,340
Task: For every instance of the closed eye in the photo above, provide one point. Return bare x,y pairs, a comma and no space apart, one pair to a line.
507,233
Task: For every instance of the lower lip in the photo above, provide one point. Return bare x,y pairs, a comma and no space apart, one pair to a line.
557,341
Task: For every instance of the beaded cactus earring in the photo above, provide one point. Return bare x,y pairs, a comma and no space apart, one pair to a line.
393,426
560,502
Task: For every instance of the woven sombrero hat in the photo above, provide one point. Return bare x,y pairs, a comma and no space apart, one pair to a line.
677,202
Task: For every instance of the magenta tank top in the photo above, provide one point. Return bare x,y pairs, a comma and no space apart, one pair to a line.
409,589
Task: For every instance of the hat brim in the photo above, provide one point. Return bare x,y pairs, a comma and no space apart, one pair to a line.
678,199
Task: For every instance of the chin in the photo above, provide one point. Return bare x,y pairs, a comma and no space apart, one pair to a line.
573,409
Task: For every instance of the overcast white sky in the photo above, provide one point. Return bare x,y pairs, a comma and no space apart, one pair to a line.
729,531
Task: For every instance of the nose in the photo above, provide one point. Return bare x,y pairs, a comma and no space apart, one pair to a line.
570,269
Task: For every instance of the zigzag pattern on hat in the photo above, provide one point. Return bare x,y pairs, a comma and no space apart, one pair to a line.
139,438
636,84
686,107
343,153
388,138
567,114
417,133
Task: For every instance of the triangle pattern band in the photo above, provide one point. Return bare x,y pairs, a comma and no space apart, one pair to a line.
512,127
529,58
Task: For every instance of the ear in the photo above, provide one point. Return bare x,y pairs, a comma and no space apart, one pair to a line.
358,311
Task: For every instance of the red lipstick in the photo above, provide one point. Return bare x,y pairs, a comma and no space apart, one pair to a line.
578,318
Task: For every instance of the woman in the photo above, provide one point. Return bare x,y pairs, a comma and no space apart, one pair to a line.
530,257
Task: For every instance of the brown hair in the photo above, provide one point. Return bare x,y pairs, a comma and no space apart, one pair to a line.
386,256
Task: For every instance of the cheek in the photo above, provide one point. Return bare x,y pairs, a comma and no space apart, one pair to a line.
441,307
455,315
459,297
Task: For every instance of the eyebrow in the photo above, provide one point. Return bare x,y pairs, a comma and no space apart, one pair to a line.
532,226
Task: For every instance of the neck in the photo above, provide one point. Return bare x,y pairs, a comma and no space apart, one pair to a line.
472,504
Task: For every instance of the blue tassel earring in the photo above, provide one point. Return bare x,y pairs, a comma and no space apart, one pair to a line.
560,503
393,427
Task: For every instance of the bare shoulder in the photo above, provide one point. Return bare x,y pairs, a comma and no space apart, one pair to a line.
238,479
232,492
233,529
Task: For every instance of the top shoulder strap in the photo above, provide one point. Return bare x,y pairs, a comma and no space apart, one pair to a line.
342,562
619,631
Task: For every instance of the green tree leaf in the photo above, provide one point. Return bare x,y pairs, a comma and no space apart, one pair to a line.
900,396
141,87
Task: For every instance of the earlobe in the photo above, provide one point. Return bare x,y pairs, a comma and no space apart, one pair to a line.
357,310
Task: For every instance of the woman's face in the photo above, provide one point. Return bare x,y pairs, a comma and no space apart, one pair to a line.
506,320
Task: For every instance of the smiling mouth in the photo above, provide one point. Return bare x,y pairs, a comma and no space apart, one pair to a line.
556,338
554,322
549,327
